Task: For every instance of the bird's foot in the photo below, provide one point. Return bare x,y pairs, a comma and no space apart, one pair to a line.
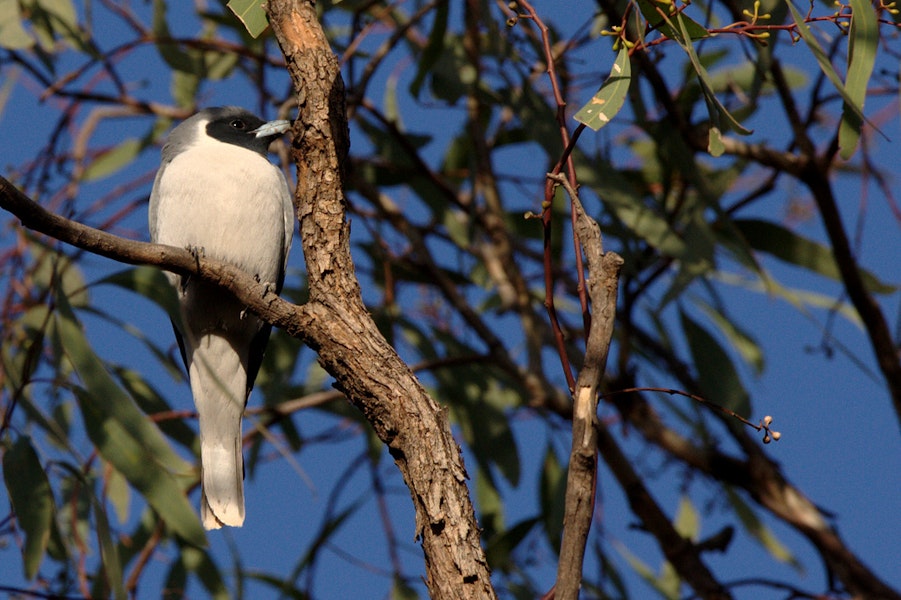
268,285
197,252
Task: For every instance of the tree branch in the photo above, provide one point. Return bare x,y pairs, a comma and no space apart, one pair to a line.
255,295
581,480
349,344
335,322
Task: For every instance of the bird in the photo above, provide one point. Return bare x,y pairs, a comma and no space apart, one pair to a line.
217,194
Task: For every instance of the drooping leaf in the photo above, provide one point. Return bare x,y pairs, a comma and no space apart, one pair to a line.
401,590
109,579
863,43
717,376
199,562
170,52
718,113
788,246
109,554
113,159
251,13
500,548
54,269
149,282
823,60
119,494
620,197
742,341
661,15
433,49
52,20
32,501
552,494
124,436
608,101
667,583
490,504
151,402
760,532
176,581
12,35
687,522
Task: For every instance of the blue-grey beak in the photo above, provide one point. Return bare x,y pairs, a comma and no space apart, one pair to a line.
272,128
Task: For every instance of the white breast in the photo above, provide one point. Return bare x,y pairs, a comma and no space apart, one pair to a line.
227,200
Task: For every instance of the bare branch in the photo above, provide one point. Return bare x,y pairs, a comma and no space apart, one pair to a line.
603,278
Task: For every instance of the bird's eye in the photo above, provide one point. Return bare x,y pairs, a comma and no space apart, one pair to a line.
238,124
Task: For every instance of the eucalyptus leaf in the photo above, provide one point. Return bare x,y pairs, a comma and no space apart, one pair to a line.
793,248
687,522
717,376
124,436
112,160
662,20
12,34
32,501
760,532
608,101
823,60
251,13
863,45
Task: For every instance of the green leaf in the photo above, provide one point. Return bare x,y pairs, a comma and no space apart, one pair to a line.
788,246
715,142
119,494
251,13
113,159
433,49
149,282
401,590
624,201
109,552
501,547
552,494
863,42
610,98
169,50
54,19
823,60
760,532
687,522
715,108
662,18
184,87
719,381
32,501
124,436
176,582
151,402
12,34
490,503
199,562
743,343
666,584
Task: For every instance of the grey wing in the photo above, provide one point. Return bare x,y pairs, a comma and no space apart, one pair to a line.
261,339
290,219
154,205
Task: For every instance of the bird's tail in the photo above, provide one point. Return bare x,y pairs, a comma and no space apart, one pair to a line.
219,385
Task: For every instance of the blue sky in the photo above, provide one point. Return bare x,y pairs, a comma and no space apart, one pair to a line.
840,437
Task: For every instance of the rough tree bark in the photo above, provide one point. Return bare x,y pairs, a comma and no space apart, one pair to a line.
349,345
334,322
603,280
